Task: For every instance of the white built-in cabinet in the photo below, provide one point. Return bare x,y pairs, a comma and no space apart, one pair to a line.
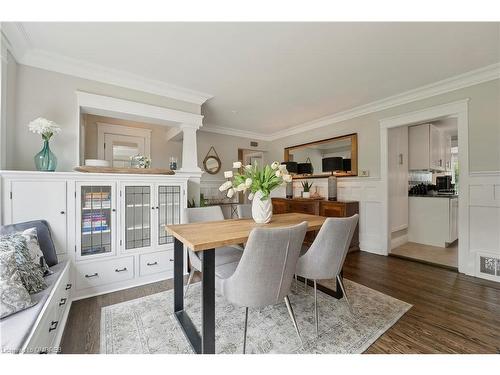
398,177
111,227
48,202
429,148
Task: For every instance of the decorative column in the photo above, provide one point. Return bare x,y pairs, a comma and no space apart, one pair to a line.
189,148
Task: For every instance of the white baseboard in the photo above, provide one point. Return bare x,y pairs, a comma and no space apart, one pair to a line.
398,241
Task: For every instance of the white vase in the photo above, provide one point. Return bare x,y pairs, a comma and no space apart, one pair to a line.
262,210
306,194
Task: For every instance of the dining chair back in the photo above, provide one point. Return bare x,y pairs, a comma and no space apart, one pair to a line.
244,211
265,272
223,255
326,256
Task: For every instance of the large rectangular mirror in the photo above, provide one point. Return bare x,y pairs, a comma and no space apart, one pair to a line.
337,155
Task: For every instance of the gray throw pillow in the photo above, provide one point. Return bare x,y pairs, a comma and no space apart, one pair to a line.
31,273
36,254
13,295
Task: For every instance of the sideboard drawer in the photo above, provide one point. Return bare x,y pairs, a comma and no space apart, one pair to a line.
331,209
104,272
156,262
304,207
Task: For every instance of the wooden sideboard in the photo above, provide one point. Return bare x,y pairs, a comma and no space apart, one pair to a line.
321,208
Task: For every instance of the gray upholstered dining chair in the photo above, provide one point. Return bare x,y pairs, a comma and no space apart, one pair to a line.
244,211
326,256
264,274
223,255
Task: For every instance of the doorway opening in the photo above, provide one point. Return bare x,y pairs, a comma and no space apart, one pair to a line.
423,178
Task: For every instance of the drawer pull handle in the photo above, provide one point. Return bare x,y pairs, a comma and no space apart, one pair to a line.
53,325
62,302
121,270
62,212
93,275
171,260
152,264
68,286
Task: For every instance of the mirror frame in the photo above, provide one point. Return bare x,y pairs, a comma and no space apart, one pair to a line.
205,164
354,156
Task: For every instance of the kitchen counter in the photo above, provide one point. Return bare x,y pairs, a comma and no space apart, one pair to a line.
434,196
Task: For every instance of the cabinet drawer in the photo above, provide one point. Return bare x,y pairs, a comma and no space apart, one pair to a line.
61,297
104,272
156,262
45,333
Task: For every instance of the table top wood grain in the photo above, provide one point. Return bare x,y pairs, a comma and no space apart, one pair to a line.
209,235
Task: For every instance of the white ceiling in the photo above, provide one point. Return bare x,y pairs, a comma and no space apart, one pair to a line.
267,77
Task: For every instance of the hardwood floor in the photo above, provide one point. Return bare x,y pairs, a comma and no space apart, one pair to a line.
444,256
451,313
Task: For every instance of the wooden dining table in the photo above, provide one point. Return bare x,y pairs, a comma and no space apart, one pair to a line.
205,238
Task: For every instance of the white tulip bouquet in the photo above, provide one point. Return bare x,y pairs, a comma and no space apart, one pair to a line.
46,128
255,179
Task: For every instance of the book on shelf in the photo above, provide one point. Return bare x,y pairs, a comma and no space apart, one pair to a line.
95,229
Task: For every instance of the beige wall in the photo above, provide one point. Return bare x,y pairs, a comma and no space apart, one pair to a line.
9,80
161,150
484,129
227,148
52,95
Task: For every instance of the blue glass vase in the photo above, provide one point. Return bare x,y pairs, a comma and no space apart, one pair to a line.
45,160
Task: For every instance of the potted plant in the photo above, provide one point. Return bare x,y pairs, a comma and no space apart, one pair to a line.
307,187
45,160
260,182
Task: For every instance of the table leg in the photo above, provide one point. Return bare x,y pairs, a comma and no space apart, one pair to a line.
178,275
206,342
337,293
208,301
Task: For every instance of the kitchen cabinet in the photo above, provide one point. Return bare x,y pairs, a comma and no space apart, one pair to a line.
433,220
427,148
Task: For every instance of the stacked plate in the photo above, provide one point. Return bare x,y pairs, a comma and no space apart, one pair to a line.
96,163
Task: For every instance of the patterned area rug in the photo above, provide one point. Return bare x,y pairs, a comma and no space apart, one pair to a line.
147,324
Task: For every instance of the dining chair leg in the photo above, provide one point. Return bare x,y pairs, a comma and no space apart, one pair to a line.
190,278
305,285
341,283
292,316
316,318
296,284
245,331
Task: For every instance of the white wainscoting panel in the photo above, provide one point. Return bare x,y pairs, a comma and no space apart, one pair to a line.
484,220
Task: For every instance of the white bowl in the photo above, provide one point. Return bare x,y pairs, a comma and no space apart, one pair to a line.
96,163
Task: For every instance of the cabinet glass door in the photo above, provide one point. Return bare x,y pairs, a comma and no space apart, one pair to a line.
137,216
96,220
169,211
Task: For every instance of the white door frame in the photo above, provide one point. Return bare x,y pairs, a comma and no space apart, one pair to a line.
458,110
103,129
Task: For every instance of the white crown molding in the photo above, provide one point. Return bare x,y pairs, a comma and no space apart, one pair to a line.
24,53
471,78
488,73
235,132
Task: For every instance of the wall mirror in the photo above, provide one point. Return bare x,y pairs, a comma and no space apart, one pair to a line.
212,164
312,158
